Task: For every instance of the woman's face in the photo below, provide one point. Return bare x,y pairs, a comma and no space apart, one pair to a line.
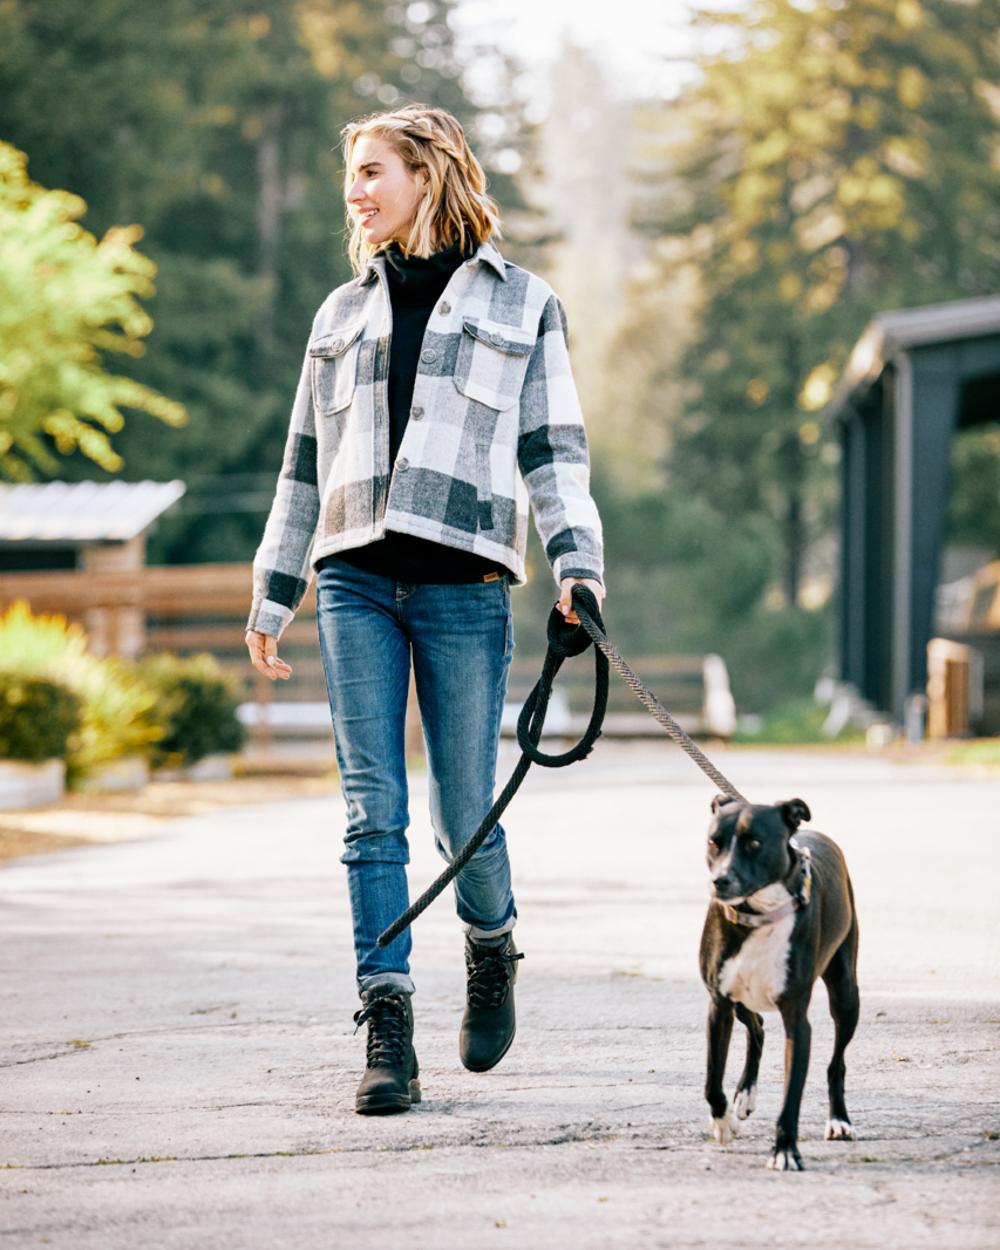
381,191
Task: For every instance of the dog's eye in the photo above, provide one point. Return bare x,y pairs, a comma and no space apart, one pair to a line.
753,844
712,844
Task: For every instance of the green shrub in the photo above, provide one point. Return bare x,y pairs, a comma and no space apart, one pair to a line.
39,718
196,705
795,721
118,707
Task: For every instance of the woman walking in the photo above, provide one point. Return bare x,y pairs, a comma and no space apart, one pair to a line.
435,402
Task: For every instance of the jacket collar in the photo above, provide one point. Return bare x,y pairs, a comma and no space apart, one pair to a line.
486,252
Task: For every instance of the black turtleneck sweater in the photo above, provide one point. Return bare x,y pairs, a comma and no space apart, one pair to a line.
415,285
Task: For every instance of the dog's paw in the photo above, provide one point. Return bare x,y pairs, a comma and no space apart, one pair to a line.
745,1102
724,1127
785,1161
839,1130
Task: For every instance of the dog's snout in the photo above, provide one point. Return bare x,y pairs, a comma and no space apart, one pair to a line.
723,885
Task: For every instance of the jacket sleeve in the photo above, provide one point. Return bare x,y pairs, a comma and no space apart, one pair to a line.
553,457
282,568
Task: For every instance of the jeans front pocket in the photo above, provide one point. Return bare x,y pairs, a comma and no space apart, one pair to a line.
335,369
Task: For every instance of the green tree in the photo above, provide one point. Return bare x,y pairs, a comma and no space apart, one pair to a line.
66,300
833,160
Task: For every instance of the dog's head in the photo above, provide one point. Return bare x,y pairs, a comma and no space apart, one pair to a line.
748,845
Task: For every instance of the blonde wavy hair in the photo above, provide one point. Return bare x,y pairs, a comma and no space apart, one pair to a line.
456,205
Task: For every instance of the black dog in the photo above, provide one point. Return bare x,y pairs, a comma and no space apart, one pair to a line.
782,914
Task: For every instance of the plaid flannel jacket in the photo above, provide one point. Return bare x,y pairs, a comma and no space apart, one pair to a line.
495,423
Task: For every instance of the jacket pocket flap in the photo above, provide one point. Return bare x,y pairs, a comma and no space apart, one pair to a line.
503,337
335,343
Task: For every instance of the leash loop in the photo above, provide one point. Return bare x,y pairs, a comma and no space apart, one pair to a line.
565,640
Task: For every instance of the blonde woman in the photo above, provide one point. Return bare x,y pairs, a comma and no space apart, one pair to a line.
436,401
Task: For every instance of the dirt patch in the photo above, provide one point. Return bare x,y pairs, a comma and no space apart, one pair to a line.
81,818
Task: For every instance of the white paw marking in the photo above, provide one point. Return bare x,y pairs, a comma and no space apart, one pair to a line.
724,1127
839,1130
784,1161
745,1102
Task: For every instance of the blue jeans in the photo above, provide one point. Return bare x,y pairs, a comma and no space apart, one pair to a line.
461,641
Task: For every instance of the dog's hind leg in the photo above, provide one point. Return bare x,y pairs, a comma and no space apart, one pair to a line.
745,1099
720,1030
842,987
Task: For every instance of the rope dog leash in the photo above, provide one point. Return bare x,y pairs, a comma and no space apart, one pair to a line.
564,640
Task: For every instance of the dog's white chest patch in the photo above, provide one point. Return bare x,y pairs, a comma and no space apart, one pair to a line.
755,976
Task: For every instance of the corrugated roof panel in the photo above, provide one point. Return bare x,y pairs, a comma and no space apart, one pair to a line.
82,511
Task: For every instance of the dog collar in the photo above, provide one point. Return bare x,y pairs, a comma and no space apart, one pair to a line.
798,901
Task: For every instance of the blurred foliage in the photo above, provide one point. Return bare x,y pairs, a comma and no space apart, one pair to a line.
170,710
796,720
216,129
974,504
65,299
834,160
196,704
39,717
118,708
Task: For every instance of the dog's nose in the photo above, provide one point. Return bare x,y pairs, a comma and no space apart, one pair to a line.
723,885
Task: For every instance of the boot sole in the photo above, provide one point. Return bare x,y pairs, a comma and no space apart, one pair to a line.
388,1104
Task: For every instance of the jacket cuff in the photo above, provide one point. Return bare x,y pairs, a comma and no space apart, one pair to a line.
268,618
571,567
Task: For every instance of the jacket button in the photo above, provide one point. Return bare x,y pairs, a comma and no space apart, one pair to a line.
416,413
445,308
428,355
402,464
338,344
494,338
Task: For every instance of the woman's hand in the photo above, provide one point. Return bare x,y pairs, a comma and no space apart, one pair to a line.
565,602
263,650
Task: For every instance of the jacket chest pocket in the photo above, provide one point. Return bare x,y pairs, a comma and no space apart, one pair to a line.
335,369
491,362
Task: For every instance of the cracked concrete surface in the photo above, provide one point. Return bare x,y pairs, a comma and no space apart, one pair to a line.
179,1060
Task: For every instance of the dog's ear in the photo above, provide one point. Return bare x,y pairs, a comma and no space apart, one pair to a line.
721,800
795,812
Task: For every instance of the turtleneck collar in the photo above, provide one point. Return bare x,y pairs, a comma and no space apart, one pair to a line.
416,279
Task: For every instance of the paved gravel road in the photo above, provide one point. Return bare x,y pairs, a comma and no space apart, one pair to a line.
179,1060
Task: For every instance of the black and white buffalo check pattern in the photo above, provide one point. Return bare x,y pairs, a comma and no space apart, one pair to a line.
495,423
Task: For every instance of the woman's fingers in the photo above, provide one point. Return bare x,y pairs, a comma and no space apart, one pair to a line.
565,600
264,657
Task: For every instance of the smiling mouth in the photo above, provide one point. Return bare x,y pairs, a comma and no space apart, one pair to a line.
366,217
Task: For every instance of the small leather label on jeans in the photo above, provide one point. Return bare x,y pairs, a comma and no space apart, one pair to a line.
491,577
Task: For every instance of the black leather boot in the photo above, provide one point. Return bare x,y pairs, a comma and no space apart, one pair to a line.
390,1081
488,1023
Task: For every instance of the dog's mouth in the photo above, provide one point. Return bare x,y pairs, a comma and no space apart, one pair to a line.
728,893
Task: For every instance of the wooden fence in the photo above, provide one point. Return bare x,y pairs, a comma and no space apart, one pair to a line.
187,609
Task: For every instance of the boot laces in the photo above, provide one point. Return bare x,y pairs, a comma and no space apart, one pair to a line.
490,975
388,1030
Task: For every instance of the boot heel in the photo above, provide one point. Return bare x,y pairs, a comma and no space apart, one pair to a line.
414,1090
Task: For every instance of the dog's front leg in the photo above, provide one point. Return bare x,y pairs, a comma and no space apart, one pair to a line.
798,1038
720,1029
746,1090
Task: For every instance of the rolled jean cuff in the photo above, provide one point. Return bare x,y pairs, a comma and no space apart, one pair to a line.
480,935
380,983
